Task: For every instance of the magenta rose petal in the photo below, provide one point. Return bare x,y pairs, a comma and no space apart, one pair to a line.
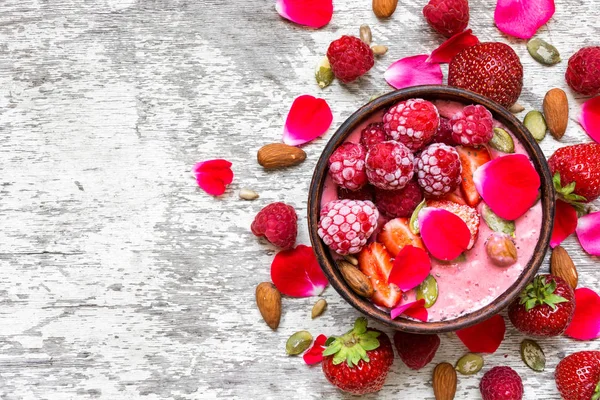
314,355
297,273
588,233
413,71
309,118
510,177
312,13
590,118
415,309
522,18
484,337
453,46
411,266
445,234
565,223
213,176
586,321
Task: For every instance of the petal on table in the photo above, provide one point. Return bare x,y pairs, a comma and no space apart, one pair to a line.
413,71
588,233
565,223
312,13
484,337
522,18
309,118
213,176
590,118
314,355
586,321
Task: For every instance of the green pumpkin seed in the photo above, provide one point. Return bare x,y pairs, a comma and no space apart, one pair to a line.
536,124
324,73
496,223
533,355
469,364
543,52
298,342
502,141
413,225
428,290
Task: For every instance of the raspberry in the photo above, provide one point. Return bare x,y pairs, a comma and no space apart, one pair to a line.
364,193
501,383
416,351
583,72
448,17
412,122
399,203
390,165
438,169
373,134
472,126
350,58
345,225
444,133
278,223
347,166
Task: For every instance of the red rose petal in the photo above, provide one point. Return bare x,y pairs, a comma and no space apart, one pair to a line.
588,233
413,71
522,18
586,321
213,176
484,337
313,13
411,266
565,222
297,273
451,47
415,310
445,234
590,118
509,185
314,355
308,119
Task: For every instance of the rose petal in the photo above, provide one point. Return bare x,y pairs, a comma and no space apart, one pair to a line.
308,119
411,266
413,71
522,18
588,233
590,118
313,13
415,310
297,273
314,355
586,321
509,185
213,176
451,47
565,223
484,337
445,234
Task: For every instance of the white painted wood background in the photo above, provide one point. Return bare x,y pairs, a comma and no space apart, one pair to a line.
119,278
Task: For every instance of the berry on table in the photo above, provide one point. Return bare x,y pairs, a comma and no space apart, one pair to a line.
389,165
577,376
583,71
416,351
412,122
578,165
278,223
501,383
438,169
347,166
447,17
350,58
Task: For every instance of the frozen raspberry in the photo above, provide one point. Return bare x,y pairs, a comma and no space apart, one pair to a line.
390,165
399,203
447,17
583,72
350,58
347,166
412,122
278,223
472,126
444,133
346,225
438,169
364,193
373,134
501,383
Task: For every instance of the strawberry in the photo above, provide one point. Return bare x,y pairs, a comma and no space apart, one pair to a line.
544,308
455,197
576,173
471,158
466,213
375,262
578,376
358,361
396,234
416,351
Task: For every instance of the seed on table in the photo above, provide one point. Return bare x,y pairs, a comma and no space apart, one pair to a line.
298,342
469,364
324,73
247,194
379,49
365,33
516,108
318,308
533,355
543,52
536,124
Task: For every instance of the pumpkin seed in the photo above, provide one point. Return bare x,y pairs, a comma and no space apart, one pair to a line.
298,342
428,290
496,223
536,124
413,225
502,141
469,364
318,308
543,52
365,33
324,73
533,355
379,49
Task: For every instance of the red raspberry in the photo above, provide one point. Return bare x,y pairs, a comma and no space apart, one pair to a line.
583,72
444,133
373,134
345,225
447,17
364,193
438,169
347,166
412,122
472,126
399,203
278,223
390,165
350,58
501,383
416,351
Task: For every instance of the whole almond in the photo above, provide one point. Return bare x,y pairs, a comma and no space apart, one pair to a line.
562,265
444,381
268,300
384,8
358,282
279,155
556,112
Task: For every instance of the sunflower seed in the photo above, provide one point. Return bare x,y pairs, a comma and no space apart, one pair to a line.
379,49
247,194
365,34
318,308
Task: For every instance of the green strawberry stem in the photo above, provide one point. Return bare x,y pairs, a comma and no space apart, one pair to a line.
353,345
596,394
540,292
565,193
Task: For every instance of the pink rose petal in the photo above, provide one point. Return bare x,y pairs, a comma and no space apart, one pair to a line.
565,223
411,266
213,176
415,310
484,337
451,47
522,18
586,321
588,233
312,13
445,234
509,185
297,273
413,71
308,119
590,118
314,355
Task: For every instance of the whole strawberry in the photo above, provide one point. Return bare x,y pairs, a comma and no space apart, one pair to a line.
578,376
492,69
544,308
583,72
350,58
447,17
501,383
578,172
358,361
416,351
278,223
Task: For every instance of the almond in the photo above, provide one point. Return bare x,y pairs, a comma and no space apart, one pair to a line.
357,281
444,382
384,8
562,265
279,155
556,112
268,300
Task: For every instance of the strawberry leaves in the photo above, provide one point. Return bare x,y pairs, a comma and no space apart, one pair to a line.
539,292
566,193
352,347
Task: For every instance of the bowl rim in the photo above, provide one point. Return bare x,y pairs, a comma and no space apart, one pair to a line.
547,198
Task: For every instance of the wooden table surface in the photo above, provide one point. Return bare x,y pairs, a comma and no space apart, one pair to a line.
120,278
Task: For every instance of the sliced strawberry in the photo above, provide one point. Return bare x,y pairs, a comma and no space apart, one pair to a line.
471,158
376,262
396,234
466,213
455,197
